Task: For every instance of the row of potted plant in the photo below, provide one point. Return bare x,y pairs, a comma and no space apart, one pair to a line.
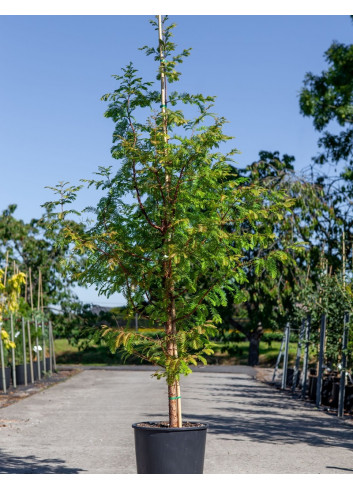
27,351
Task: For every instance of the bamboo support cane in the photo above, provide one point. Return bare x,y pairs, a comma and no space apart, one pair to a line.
14,380
321,360
280,353
340,412
40,308
52,344
26,288
30,287
29,337
180,421
3,373
37,347
6,265
39,278
50,351
343,260
285,361
297,360
30,351
52,338
306,356
24,351
322,266
167,177
44,348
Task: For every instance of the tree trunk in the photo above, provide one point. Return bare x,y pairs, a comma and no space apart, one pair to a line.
174,389
254,338
173,406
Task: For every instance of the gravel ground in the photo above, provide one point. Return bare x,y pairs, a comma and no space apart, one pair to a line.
83,426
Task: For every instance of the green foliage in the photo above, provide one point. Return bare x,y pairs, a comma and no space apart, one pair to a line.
79,323
175,227
34,246
331,298
328,97
269,296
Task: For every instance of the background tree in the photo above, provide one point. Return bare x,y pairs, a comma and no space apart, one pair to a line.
328,99
270,301
329,296
32,246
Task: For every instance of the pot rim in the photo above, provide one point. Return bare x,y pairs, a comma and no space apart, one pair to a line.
165,429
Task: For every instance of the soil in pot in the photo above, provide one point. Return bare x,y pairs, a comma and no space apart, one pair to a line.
7,378
163,450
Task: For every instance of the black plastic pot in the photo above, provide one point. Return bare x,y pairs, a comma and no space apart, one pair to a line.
170,450
335,394
35,369
290,375
7,378
348,398
312,387
20,374
327,392
47,364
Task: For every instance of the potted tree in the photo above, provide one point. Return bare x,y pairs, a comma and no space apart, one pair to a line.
170,234
10,288
5,370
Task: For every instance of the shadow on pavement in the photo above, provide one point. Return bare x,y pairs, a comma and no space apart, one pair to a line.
258,413
10,464
275,429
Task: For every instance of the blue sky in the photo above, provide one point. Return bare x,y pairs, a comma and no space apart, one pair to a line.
55,69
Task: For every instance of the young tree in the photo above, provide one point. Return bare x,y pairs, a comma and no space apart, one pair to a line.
172,231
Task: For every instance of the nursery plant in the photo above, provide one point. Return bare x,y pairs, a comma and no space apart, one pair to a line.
333,298
10,288
173,226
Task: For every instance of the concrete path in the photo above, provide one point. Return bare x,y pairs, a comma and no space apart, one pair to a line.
83,426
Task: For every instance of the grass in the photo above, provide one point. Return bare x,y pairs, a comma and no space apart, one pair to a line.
93,355
237,354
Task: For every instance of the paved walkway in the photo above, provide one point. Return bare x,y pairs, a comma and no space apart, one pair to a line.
83,426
